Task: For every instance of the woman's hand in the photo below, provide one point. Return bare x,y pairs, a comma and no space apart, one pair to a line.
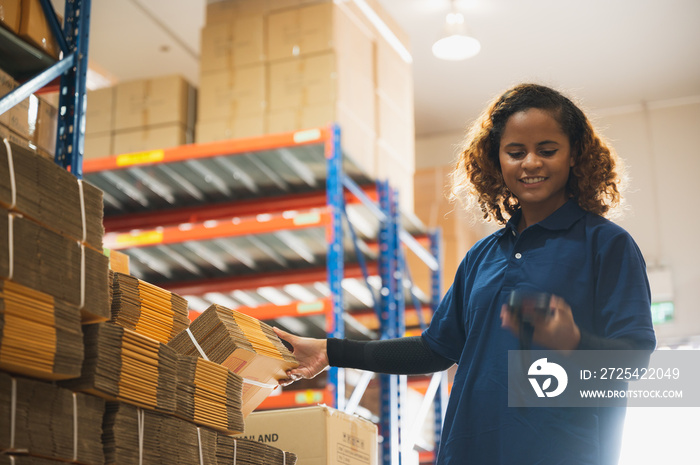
309,352
558,331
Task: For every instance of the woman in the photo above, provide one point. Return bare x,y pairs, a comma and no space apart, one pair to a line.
534,163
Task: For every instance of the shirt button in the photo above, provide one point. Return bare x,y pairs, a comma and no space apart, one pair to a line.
518,255
513,233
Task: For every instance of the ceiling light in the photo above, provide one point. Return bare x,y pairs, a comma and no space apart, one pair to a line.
455,43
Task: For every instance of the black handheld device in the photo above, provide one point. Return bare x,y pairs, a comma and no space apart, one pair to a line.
528,306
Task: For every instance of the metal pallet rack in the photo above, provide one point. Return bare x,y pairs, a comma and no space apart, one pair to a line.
239,220
37,69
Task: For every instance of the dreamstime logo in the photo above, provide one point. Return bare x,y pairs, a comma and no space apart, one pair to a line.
546,371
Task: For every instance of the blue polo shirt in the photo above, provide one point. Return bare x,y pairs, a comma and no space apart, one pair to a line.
598,269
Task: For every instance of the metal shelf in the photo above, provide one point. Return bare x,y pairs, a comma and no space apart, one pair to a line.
20,59
282,227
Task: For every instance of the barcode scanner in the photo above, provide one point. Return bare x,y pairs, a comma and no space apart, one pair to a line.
528,306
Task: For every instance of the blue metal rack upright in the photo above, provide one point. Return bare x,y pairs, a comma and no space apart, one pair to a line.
72,68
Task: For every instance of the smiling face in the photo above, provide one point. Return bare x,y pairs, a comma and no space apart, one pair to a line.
535,158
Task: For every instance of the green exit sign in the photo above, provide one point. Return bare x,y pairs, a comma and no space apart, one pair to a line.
661,312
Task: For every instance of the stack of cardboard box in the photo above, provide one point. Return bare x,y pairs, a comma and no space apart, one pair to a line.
283,65
31,123
139,115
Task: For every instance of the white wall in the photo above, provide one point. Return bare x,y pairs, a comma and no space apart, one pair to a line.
659,143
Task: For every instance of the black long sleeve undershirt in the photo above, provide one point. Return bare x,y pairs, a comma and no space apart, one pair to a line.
411,355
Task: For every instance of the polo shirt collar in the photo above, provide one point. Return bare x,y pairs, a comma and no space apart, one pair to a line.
562,219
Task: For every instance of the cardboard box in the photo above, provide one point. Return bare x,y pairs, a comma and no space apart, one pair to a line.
318,435
303,81
151,138
34,28
232,44
399,172
299,31
99,114
396,131
152,102
98,145
10,14
232,93
223,129
21,118
46,126
394,78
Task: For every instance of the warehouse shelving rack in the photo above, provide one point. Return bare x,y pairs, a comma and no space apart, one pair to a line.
291,196
37,70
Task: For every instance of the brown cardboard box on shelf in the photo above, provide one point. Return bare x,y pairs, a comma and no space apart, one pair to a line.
232,93
46,126
10,14
235,128
34,28
99,116
303,81
232,44
394,78
221,11
299,31
98,145
151,102
19,118
396,131
318,435
151,138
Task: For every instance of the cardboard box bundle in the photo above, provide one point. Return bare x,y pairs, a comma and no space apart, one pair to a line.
246,346
123,365
281,65
133,435
40,336
328,436
147,309
41,419
139,115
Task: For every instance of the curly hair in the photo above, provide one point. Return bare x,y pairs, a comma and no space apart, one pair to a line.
593,180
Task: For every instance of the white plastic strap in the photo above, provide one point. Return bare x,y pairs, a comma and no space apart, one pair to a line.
196,345
235,451
199,439
82,210
141,418
284,458
259,384
13,413
11,166
10,246
82,277
75,427
12,459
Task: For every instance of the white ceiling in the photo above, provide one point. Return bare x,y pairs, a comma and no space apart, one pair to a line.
608,53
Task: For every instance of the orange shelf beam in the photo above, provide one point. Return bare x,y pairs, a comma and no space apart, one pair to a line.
297,398
271,311
214,229
200,213
273,279
207,150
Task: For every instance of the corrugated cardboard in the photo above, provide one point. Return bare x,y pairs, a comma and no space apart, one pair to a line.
318,435
10,14
223,129
232,93
34,28
221,11
303,81
151,102
300,31
395,131
232,44
21,118
10,135
46,126
151,138
98,145
99,115
394,77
